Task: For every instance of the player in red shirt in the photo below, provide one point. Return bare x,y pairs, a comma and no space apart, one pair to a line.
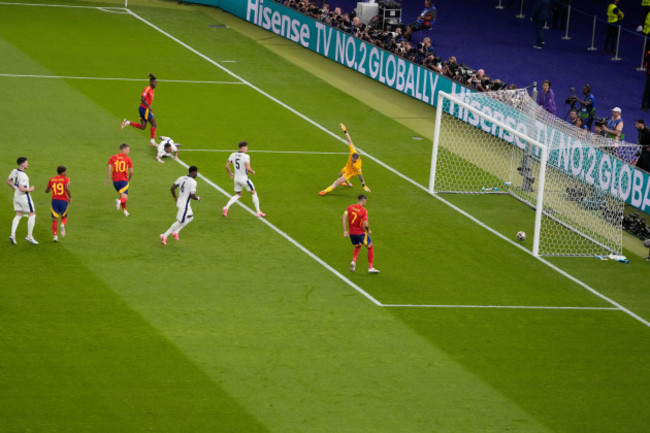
146,115
59,185
120,169
355,225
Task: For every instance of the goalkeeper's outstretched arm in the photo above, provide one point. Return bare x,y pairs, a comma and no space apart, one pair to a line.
347,134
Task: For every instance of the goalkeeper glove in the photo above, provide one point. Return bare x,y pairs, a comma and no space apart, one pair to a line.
366,188
345,131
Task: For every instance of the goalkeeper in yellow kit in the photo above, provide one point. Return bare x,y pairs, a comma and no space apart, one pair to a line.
351,169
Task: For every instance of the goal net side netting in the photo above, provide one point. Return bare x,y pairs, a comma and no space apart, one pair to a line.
504,143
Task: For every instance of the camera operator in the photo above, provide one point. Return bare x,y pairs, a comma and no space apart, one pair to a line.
477,80
450,67
587,108
599,126
614,128
432,62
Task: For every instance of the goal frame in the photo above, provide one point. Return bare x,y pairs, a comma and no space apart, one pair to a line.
539,208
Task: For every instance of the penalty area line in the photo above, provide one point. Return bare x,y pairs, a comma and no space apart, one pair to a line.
505,307
299,152
289,238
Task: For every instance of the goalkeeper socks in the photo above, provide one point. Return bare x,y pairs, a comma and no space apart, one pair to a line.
355,254
256,202
54,227
329,189
14,225
232,200
31,221
153,133
371,256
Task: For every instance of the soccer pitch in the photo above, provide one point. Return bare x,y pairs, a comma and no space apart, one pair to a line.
251,324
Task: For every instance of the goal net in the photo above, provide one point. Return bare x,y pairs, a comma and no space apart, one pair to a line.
504,143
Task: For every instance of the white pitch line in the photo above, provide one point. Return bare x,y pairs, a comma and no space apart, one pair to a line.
289,238
510,307
60,6
391,169
66,77
300,152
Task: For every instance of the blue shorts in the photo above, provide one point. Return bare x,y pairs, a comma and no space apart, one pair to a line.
360,239
59,209
145,114
121,186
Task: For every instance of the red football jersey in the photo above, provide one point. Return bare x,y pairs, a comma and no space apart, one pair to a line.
357,214
121,164
147,94
57,185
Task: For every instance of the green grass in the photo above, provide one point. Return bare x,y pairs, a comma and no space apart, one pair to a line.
236,329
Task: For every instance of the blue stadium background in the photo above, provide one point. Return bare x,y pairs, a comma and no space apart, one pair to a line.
482,36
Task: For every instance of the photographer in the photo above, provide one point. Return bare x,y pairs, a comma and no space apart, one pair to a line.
450,67
432,62
587,108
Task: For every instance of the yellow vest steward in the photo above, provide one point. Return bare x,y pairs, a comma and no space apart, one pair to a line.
646,26
645,3
611,16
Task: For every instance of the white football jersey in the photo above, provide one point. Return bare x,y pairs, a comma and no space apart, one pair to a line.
161,149
239,160
19,178
186,186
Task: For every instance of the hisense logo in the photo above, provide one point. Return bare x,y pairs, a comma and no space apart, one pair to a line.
277,22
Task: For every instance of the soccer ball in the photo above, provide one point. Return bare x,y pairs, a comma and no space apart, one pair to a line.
521,236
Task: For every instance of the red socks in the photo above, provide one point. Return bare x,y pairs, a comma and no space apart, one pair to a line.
136,125
371,256
355,254
153,133
123,202
64,220
54,227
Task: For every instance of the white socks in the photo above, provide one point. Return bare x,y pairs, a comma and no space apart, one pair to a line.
14,225
232,200
256,202
31,220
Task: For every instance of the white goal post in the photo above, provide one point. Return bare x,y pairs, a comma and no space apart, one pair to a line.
504,143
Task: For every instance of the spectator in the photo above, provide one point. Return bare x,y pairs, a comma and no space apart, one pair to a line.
546,98
644,140
587,106
573,116
424,21
614,128
614,18
539,15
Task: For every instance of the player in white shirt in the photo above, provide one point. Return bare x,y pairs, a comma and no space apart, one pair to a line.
242,163
168,148
187,187
23,204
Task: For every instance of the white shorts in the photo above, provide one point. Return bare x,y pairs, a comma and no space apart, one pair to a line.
243,182
24,204
184,213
